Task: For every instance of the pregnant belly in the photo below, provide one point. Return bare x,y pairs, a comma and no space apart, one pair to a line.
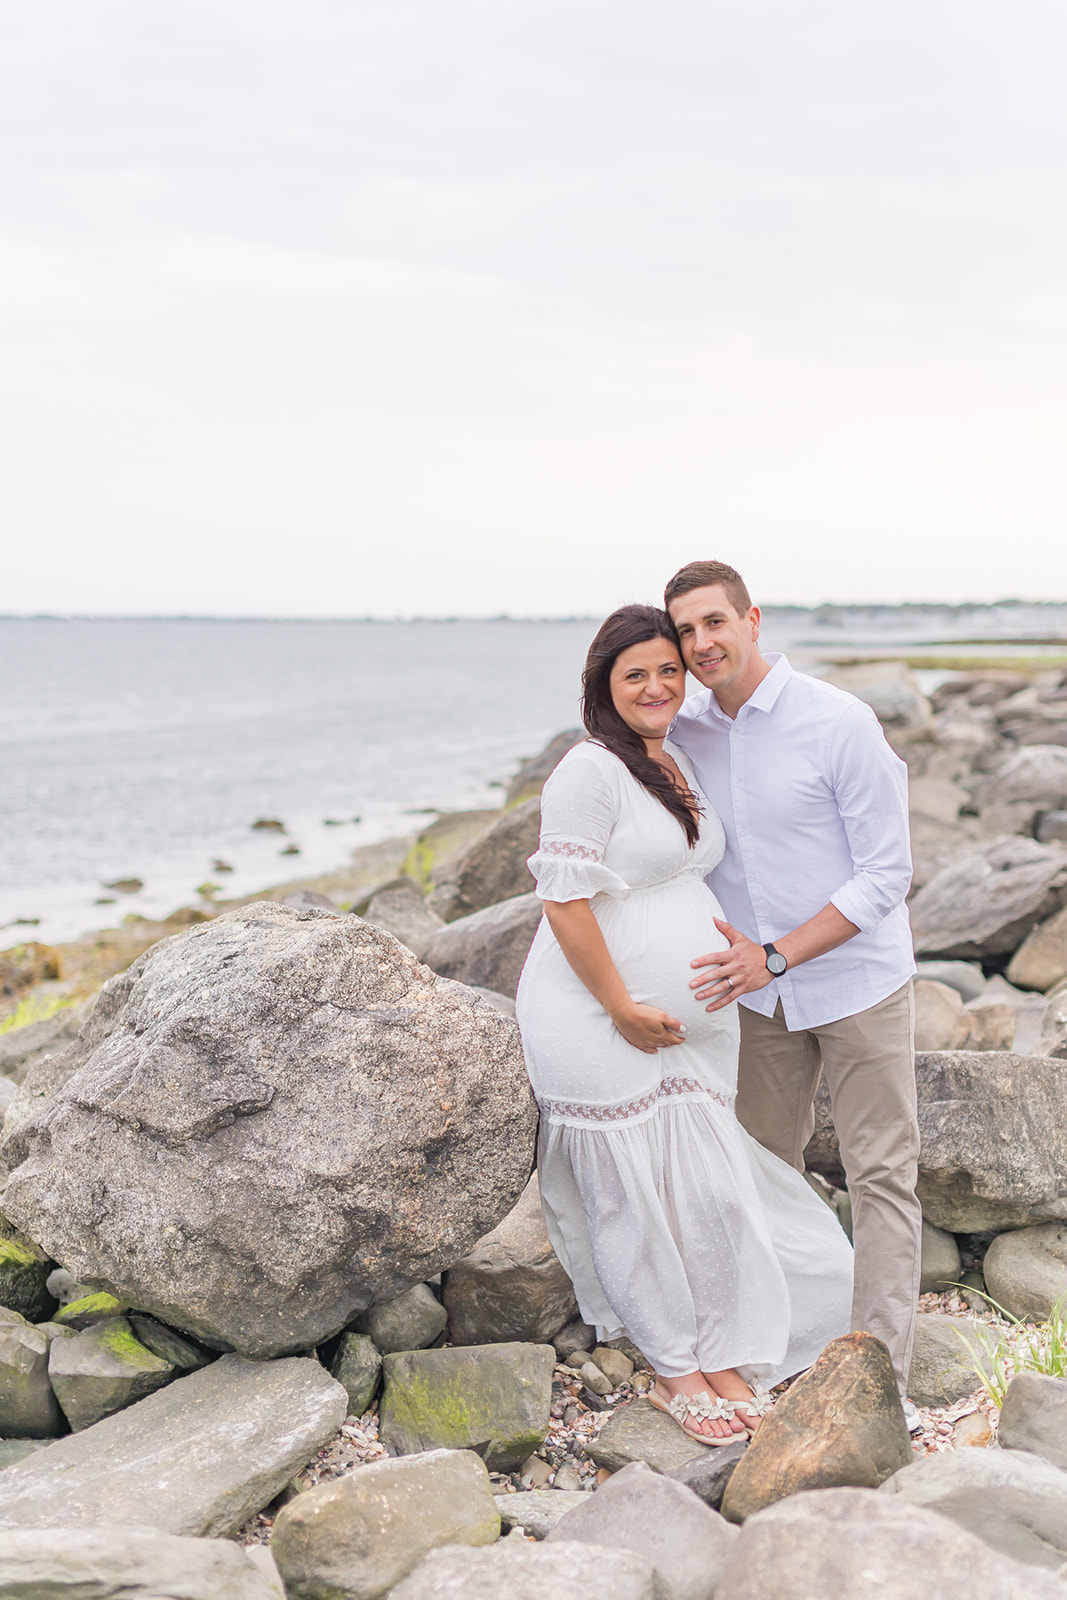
653,935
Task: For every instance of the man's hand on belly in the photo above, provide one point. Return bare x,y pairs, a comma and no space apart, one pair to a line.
741,969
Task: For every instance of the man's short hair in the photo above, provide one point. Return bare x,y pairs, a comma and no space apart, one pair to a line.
701,575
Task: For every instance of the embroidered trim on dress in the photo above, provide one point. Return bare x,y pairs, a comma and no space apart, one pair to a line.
568,847
624,1110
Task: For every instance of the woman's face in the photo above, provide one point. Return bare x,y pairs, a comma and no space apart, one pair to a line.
648,686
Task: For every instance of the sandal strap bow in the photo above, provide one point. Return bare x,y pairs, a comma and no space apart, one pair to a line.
702,1407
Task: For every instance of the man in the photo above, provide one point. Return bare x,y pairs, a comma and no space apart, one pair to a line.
817,865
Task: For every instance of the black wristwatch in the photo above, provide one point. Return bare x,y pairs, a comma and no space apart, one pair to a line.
776,961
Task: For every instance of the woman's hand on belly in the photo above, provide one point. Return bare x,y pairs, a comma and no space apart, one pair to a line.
647,1028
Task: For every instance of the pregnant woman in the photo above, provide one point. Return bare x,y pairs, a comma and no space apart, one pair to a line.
675,1226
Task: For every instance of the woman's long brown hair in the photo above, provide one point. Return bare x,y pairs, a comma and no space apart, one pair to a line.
628,626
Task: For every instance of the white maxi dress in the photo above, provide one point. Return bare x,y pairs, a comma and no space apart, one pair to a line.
674,1225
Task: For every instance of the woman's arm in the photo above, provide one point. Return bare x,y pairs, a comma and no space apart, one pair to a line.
578,935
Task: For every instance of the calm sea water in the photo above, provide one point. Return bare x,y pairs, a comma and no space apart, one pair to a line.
148,748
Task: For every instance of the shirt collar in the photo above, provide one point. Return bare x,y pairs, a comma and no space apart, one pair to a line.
761,699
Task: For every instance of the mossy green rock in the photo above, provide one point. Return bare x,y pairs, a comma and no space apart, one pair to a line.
104,1368
164,1342
357,1366
28,1408
90,1309
24,1271
494,1399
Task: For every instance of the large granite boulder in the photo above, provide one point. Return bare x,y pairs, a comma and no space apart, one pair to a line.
1014,1502
516,1570
105,1563
1026,1270
993,1130
488,948
854,1544
985,902
492,867
534,773
278,1118
199,1457
946,1357
1041,960
1035,775
1033,1418
511,1285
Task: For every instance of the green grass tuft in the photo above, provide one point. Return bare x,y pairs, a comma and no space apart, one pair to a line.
1030,1347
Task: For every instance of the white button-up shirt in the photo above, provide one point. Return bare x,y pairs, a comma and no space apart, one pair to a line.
815,807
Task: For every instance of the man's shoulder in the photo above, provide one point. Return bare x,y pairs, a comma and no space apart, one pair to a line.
694,712
802,689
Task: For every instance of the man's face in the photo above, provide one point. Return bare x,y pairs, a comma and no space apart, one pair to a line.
719,645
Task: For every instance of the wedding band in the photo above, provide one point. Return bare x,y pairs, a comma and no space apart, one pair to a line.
730,982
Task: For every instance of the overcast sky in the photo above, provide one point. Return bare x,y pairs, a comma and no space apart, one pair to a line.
479,306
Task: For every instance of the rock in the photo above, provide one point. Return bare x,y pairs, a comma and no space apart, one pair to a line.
101,1564
410,1322
12,1450
853,1544
535,1511
7,1094
489,947
577,1335
269,1122
1026,1270
841,1424
357,1366
594,1379
939,798
533,774
403,912
23,1047
988,1028
659,1520
936,845
617,1368
24,1272
890,690
1012,1501
446,835
511,1286
89,1310
939,1019
28,1407
64,1288
493,1399
966,977
500,1002
940,1260
103,1369
568,1479
169,1346
709,1473
516,1570
1052,1038
997,819
312,900
985,902
1033,1418
947,1351
360,1534
993,1131
972,1432
637,1432
25,965
1051,827
1037,773
492,867
1041,960
1029,1008
199,1457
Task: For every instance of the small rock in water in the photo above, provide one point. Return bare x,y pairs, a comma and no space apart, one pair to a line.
221,866
290,850
126,885
268,825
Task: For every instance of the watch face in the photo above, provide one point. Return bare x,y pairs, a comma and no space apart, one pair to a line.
777,964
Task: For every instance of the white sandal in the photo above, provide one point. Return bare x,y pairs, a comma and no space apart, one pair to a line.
703,1409
762,1402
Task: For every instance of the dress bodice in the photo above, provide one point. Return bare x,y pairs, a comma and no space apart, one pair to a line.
603,833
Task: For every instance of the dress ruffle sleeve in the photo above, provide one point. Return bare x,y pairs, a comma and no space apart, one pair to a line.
579,808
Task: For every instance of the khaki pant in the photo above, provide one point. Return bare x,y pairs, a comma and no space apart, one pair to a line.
869,1064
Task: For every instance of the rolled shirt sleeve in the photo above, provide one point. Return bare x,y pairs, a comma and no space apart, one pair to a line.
871,787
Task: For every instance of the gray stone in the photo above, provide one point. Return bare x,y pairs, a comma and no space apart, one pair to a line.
1037,774
62,1286
360,1534
403,912
276,1119
947,1351
939,1019
1052,1038
312,900
940,1260
533,774
24,1271
840,1425
489,947
1026,1270
410,1322
982,904
23,1047
616,1367
511,1286
536,1511
966,977
708,1474
12,1450
169,1346
993,1131
499,1002
659,1520
596,1381
638,1432
199,1457
357,1366
28,1407
1041,960
492,868
1029,1011
1033,1418
516,1570
856,1544
494,1399
935,845
989,1028
1012,1501
576,1335
103,1369
1051,827
105,1563
940,798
